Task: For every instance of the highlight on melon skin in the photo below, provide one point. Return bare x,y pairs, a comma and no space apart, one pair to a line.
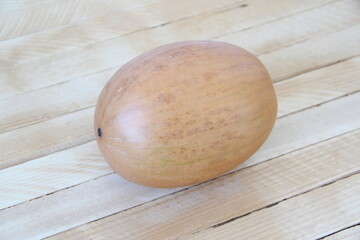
184,113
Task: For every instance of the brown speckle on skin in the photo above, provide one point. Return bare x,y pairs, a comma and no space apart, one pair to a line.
190,122
166,98
208,76
161,67
220,122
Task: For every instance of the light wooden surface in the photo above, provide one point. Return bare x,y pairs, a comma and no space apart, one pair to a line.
55,57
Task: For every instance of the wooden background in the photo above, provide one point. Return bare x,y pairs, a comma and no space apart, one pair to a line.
55,57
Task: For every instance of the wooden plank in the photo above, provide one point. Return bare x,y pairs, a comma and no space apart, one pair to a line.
109,194
308,216
76,128
21,114
114,52
46,137
318,86
296,28
323,19
238,193
51,173
57,40
54,14
351,233
312,54
71,96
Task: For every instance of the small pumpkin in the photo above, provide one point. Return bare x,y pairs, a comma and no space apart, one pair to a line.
184,113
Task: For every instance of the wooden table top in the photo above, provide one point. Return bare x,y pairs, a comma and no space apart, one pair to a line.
55,57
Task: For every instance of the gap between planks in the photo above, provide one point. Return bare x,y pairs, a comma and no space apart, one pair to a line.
31,47
106,193
258,187
112,53
352,232
307,216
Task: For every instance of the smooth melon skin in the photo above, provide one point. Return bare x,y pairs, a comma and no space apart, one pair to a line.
184,113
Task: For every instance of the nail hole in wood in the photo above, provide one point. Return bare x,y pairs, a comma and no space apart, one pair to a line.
99,132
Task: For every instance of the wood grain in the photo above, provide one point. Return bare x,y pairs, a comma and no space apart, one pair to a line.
46,137
312,54
9,7
257,39
19,19
331,82
56,40
61,99
238,193
302,217
114,52
51,173
109,194
295,28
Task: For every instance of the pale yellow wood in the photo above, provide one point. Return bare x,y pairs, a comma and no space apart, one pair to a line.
296,28
312,54
318,86
52,14
40,139
64,98
8,7
76,128
352,233
237,194
46,43
72,96
20,78
110,194
308,216
51,173
314,21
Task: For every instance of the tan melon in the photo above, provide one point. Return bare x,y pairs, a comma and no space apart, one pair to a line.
184,113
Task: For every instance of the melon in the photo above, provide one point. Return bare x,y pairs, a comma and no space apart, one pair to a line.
184,113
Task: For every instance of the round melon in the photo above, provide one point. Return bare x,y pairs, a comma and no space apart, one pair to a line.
184,113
